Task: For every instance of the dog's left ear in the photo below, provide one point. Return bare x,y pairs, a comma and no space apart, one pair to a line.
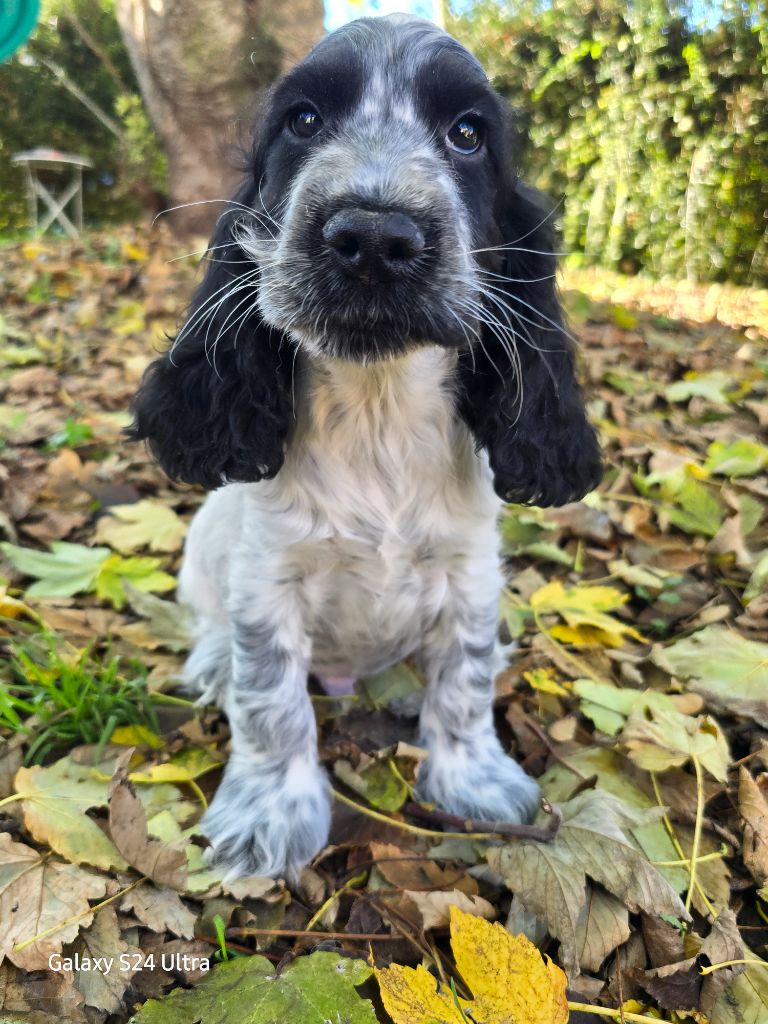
520,396
217,407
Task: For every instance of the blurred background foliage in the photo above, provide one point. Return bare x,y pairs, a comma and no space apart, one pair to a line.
646,122
77,47
653,130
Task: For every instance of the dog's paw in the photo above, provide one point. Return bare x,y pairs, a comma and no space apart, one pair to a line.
483,784
264,820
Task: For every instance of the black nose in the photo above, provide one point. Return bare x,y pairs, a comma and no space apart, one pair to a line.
373,244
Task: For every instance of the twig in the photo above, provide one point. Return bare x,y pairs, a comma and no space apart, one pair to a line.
607,1011
77,917
700,799
676,843
213,941
289,933
334,897
731,963
406,826
507,829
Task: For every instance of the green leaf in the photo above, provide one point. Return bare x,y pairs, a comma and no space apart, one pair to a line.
69,569
743,457
65,570
249,990
606,705
392,684
700,513
729,671
711,386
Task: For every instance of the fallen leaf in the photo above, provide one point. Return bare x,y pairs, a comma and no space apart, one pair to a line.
550,878
511,982
54,805
145,524
586,613
658,738
434,908
753,808
249,990
104,989
160,909
728,670
37,894
602,927
165,863
69,569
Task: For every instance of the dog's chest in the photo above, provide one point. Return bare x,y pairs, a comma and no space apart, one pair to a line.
385,462
392,498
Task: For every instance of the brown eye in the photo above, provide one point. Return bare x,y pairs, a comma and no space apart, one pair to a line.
305,123
465,136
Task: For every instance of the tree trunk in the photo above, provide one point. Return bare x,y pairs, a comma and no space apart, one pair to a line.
200,65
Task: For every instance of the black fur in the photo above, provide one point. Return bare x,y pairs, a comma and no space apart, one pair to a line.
219,407
215,414
542,449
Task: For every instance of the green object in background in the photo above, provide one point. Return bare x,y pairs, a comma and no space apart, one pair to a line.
17,19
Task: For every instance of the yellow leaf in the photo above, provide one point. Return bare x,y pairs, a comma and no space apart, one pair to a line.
413,995
131,251
543,680
184,767
510,980
586,612
146,523
135,736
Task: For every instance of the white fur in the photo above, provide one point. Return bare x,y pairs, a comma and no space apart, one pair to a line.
375,541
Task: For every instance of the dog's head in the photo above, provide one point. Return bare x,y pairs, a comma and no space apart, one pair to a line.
381,212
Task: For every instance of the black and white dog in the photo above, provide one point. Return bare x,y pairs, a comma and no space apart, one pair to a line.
373,362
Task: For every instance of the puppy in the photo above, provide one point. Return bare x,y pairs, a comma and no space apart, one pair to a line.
374,361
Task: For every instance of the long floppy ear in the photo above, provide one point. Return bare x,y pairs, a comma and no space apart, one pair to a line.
519,395
217,406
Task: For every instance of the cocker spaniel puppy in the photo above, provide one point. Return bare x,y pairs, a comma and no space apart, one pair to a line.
374,361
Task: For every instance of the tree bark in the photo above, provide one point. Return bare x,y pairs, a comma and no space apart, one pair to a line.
200,65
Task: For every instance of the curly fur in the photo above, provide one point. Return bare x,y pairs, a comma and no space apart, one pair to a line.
360,424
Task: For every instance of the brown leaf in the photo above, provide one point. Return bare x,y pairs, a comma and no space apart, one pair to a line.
674,987
40,997
434,908
602,926
39,893
722,944
161,910
104,988
164,863
753,808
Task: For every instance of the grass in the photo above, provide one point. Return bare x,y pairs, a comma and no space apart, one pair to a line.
61,700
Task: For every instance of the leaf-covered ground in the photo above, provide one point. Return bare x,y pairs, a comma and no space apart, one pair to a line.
639,696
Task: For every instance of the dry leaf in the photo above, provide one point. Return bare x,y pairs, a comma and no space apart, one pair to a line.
658,738
165,863
161,910
145,524
55,801
38,893
753,808
511,982
104,988
550,879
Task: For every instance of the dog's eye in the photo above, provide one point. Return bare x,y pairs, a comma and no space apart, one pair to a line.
465,136
305,123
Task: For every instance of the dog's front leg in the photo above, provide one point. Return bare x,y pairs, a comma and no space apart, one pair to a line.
271,812
466,771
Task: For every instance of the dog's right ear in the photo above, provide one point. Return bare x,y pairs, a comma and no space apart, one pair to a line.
217,407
